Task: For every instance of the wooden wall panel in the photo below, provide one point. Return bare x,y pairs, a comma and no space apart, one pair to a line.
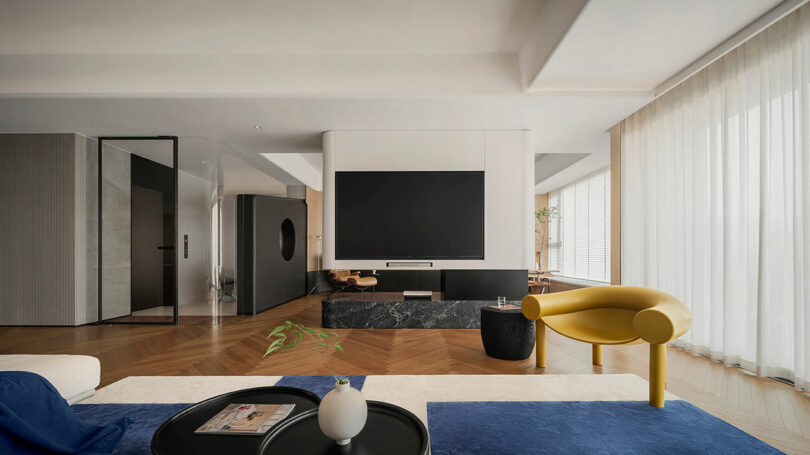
37,229
616,204
314,200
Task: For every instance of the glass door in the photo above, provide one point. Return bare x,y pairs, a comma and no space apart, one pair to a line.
138,222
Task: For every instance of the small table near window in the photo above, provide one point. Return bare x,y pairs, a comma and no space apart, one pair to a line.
539,281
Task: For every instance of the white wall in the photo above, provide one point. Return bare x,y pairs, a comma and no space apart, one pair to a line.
194,206
506,157
228,235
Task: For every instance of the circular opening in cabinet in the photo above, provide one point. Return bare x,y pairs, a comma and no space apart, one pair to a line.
286,239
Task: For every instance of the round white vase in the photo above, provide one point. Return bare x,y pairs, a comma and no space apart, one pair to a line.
342,413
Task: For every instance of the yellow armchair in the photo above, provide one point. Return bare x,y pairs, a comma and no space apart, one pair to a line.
612,315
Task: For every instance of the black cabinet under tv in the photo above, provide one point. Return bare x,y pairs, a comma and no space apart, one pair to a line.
406,280
455,284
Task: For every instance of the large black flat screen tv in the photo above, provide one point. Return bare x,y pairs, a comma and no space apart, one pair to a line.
409,215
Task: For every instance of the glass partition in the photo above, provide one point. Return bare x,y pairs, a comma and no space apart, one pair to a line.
138,222
168,205
211,175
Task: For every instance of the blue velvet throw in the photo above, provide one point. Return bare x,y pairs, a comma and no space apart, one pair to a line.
35,419
583,427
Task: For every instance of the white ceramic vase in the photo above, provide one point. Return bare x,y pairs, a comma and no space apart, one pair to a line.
342,413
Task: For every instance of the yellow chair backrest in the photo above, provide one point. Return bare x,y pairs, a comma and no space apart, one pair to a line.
611,314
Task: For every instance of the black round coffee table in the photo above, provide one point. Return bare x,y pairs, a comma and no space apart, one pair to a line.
389,430
176,435
507,334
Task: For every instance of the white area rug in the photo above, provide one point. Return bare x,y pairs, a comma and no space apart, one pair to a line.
175,389
410,392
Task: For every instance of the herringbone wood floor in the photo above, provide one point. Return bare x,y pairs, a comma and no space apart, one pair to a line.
772,411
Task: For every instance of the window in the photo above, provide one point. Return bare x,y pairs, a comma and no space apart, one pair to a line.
579,238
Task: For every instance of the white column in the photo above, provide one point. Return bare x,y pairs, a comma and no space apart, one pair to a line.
329,158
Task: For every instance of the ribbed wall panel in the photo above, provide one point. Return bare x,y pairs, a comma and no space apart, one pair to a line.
38,229
90,311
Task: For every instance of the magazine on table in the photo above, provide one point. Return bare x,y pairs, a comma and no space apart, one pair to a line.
246,419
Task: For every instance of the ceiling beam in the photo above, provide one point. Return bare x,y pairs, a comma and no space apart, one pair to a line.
549,28
215,75
298,167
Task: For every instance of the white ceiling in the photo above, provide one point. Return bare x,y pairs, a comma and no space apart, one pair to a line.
212,70
562,123
262,26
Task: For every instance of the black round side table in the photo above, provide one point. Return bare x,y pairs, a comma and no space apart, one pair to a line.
507,334
389,430
176,435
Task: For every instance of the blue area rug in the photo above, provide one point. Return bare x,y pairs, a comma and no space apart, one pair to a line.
583,427
148,417
319,385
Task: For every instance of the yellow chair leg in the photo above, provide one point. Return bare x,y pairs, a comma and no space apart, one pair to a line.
541,344
596,354
658,374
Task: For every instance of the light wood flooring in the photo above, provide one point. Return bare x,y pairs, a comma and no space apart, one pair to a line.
770,410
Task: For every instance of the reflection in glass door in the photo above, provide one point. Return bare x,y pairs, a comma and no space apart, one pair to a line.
138,207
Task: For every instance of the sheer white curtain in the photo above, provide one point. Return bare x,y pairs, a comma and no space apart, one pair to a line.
716,202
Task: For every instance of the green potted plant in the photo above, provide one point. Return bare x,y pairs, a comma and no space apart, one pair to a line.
541,219
343,411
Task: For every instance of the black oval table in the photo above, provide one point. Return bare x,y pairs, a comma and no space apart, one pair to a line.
176,435
507,334
389,430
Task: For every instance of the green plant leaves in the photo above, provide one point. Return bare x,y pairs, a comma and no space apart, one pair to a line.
277,330
274,346
290,335
291,344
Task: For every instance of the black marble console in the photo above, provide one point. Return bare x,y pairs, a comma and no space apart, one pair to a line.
389,310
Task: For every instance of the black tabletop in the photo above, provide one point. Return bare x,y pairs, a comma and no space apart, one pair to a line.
504,310
176,435
389,430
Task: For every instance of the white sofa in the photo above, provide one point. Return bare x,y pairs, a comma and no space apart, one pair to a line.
74,376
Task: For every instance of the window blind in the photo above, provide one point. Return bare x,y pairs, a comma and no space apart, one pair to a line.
579,238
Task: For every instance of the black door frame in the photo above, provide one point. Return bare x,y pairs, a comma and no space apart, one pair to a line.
174,140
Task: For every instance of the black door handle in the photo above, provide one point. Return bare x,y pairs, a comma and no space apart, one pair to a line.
166,247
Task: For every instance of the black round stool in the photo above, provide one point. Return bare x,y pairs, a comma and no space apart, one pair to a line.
507,334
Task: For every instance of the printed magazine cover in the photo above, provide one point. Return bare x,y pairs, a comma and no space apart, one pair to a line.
249,419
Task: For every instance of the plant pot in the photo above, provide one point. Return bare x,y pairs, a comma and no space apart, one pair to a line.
342,413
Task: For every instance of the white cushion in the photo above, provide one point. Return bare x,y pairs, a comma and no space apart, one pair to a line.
74,376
